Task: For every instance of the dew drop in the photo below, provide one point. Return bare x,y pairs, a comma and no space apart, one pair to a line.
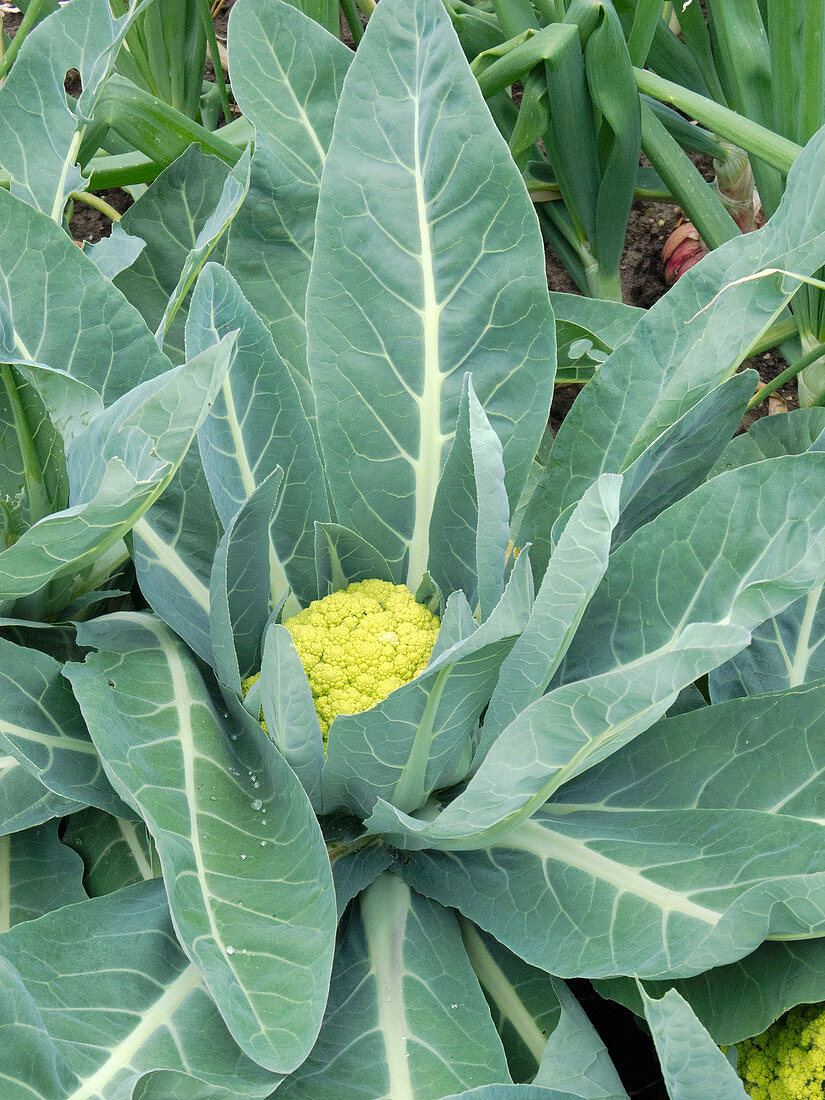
256,804
453,1006
256,785
233,737
263,843
243,855
230,950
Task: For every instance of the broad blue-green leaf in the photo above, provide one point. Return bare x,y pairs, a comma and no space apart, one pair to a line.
720,787
576,567
256,424
151,427
210,236
522,1000
586,331
167,1085
669,468
24,421
242,855
469,529
24,801
37,874
762,753
115,253
117,468
42,727
596,892
342,557
428,263
71,405
677,354
457,624
692,1064
737,550
117,993
40,134
239,591
289,711
63,314
675,463
420,736
579,353
405,1018
560,735
575,1057
173,546
774,436
745,997
168,217
787,650
32,1065
609,322
116,852
287,73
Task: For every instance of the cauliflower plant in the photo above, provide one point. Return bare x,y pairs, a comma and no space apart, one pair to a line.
787,1062
359,644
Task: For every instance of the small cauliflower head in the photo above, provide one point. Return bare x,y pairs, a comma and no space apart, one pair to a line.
786,1062
359,644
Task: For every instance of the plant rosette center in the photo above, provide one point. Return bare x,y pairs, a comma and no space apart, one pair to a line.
359,644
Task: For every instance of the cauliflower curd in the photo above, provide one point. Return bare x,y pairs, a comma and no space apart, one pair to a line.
787,1062
360,644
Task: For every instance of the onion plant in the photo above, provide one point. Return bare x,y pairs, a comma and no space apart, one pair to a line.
753,73
577,129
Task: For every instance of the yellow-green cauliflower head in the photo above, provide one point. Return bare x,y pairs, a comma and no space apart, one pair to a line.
359,644
787,1062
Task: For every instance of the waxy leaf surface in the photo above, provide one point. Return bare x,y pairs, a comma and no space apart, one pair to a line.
242,855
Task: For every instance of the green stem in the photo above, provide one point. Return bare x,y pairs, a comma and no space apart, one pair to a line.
37,495
353,20
28,21
214,54
758,140
787,375
124,169
696,197
604,285
96,203
408,793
